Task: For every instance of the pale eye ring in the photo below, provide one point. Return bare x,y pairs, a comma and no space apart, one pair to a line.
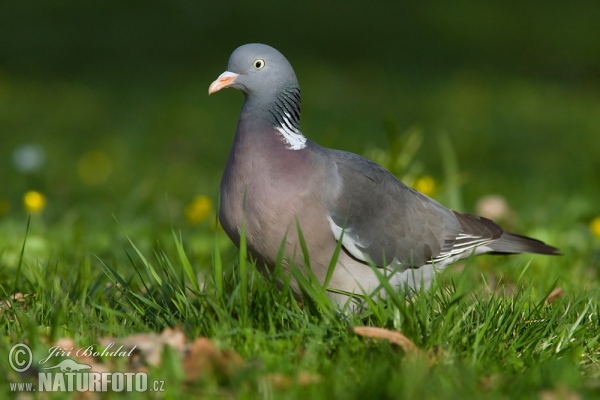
259,64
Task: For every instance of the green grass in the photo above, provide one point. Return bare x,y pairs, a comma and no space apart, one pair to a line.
495,342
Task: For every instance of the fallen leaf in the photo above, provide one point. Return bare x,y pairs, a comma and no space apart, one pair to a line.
306,378
148,347
68,346
204,359
555,295
560,393
436,354
394,337
65,344
282,381
490,382
17,299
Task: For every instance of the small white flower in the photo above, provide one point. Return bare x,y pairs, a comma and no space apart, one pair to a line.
29,158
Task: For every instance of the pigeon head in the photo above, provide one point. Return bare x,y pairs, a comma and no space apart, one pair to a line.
268,82
257,70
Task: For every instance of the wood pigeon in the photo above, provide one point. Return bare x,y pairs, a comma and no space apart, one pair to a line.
276,178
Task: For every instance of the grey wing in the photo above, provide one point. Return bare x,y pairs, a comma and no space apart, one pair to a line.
384,221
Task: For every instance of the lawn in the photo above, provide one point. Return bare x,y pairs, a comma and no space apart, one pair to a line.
111,154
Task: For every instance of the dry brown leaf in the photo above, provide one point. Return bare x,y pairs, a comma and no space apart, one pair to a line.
16,300
282,381
203,359
490,382
174,338
436,354
394,337
68,346
65,344
306,378
555,295
148,347
200,358
560,393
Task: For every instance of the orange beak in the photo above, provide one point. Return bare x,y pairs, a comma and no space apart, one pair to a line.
224,80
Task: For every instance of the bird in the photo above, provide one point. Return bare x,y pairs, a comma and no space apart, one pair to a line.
287,193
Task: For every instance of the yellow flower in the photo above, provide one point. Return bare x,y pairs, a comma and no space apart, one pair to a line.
34,201
94,167
425,185
198,209
595,227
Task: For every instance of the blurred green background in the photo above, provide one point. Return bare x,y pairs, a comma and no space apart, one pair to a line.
104,111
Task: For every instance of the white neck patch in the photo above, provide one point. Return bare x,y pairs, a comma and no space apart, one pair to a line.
294,139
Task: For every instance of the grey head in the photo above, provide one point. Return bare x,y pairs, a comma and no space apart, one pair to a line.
268,82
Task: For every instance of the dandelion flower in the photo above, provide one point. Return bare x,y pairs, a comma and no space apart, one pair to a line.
595,227
34,202
199,209
425,185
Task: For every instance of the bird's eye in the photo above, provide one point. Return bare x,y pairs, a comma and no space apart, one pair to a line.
258,64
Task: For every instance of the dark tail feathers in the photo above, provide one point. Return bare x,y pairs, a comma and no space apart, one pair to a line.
509,243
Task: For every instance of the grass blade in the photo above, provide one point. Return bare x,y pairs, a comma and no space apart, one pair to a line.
187,267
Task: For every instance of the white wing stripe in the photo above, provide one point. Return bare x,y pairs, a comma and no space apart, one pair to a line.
461,248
